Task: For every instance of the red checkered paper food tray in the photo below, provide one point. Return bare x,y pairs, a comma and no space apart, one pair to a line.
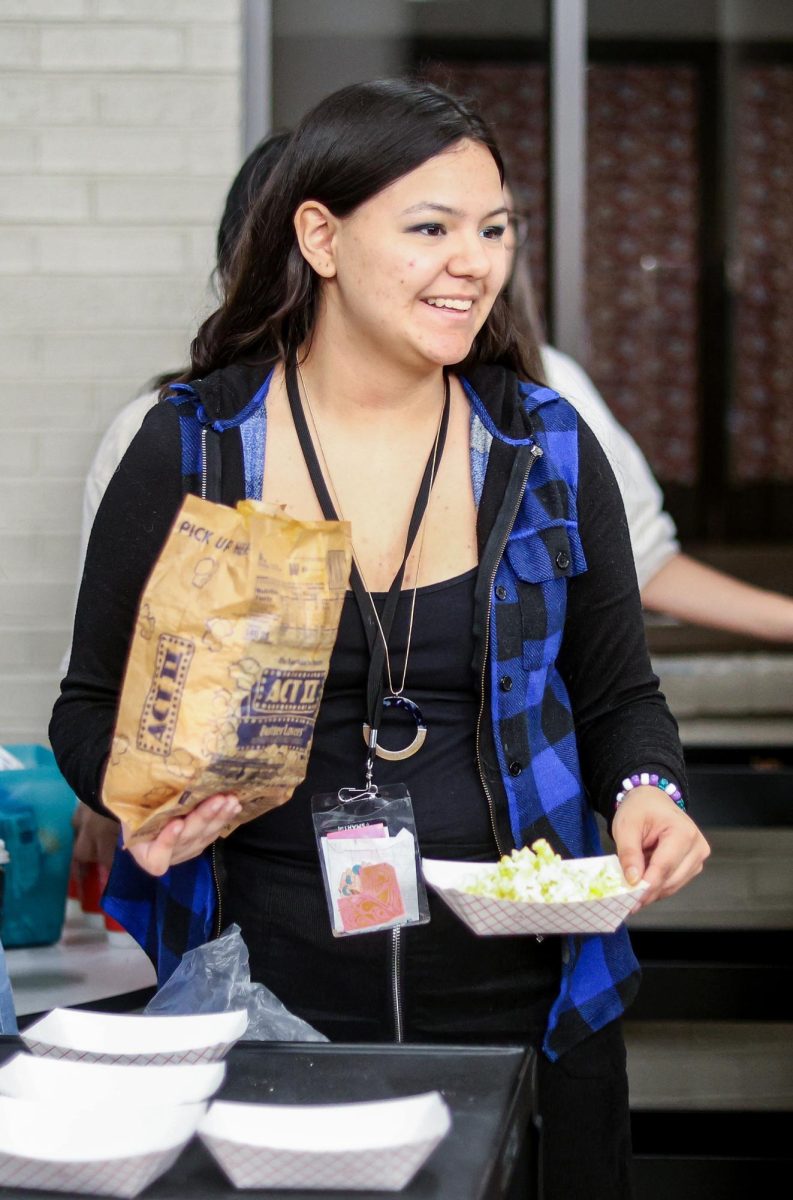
377,1145
135,1039
85,1148
492,918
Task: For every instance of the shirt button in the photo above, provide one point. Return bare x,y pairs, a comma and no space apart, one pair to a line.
562,560
515,768
505,683
501,592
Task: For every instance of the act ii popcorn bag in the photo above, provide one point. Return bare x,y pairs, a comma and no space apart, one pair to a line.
227,663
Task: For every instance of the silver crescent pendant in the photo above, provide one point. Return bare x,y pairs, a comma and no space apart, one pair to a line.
421,730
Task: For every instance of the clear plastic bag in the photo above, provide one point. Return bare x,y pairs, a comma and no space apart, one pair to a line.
216,977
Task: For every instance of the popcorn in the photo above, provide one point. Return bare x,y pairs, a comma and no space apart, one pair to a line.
538,874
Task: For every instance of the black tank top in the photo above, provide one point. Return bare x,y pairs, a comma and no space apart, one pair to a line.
451,810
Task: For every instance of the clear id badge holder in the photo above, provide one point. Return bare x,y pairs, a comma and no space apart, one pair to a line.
368,851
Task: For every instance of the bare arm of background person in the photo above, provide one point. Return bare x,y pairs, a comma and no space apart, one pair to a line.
671,582
691,591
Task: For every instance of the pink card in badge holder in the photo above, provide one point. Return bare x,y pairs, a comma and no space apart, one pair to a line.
359,831
377,901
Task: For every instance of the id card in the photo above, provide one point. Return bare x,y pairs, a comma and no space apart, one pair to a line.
369,856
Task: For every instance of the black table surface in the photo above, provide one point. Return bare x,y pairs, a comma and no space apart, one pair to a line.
487,1089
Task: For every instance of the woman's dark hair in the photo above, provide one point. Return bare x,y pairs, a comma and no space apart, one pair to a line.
521,298
246,185
248,182
522,302
348,148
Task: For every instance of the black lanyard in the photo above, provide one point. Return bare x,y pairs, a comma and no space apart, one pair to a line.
377,644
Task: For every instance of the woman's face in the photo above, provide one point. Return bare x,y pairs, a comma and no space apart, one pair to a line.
418,267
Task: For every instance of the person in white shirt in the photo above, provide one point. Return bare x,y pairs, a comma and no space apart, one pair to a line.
671,582
96,836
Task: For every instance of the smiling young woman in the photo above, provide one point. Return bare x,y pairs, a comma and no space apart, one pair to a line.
408,280
363,334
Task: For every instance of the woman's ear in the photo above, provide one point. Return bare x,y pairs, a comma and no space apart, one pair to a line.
315,227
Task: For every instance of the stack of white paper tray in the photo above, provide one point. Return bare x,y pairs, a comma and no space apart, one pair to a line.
121,1038
81,1084
108,1151
106,1102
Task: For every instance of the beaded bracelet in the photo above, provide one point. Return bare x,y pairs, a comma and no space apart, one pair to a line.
645,778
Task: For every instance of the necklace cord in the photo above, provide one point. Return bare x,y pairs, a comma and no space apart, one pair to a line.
416,522
377,629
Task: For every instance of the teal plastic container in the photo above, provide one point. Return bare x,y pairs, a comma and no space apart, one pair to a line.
36,809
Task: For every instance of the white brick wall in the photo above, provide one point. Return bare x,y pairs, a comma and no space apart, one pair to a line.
119,134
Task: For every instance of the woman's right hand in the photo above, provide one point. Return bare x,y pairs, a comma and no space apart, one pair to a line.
184,837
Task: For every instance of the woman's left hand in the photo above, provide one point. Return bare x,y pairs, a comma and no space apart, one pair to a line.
658,842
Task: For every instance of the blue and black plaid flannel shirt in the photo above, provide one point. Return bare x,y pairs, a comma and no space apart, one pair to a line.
532,722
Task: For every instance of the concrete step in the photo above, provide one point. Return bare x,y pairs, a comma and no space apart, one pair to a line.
710,1066
747,884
